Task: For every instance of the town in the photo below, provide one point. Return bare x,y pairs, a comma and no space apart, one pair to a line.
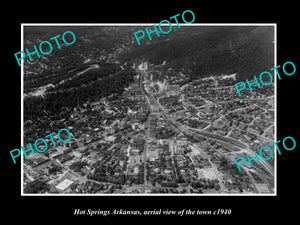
164,134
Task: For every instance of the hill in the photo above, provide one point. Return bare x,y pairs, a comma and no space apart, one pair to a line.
202,51
197,51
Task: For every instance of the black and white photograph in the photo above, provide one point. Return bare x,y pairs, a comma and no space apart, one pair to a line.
161,117
145,113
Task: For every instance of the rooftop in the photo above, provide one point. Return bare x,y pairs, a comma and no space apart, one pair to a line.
64,184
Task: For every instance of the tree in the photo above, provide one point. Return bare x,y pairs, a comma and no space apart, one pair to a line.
36,186
73,186
183,191
54,169
200,191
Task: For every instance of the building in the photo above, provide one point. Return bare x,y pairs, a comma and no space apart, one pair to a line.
250,136
64,158
66,151
40,161
77,154
65,184
254,131
152,134
173,89
52,153
155,108
134,159
134,151
153,154
110,138
262,188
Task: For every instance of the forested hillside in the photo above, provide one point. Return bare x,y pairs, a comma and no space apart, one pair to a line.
204,51
81,72
197,51
73,94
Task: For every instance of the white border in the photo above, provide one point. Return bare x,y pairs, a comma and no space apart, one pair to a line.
151,24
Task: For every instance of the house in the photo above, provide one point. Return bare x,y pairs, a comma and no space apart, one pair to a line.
39,161
66,151
250,136
134,151
53,154
64,158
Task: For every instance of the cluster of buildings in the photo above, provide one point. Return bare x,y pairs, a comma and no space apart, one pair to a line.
133,143
211,105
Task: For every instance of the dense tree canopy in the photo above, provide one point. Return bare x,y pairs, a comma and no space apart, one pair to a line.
54,102
204,51
36,186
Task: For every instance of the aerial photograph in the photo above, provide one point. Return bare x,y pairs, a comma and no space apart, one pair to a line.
162,117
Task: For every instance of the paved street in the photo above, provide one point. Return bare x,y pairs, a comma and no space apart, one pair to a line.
180,128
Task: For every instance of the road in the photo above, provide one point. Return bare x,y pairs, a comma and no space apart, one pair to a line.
244,148
145,94
188,130
218,137
181,128
145,183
